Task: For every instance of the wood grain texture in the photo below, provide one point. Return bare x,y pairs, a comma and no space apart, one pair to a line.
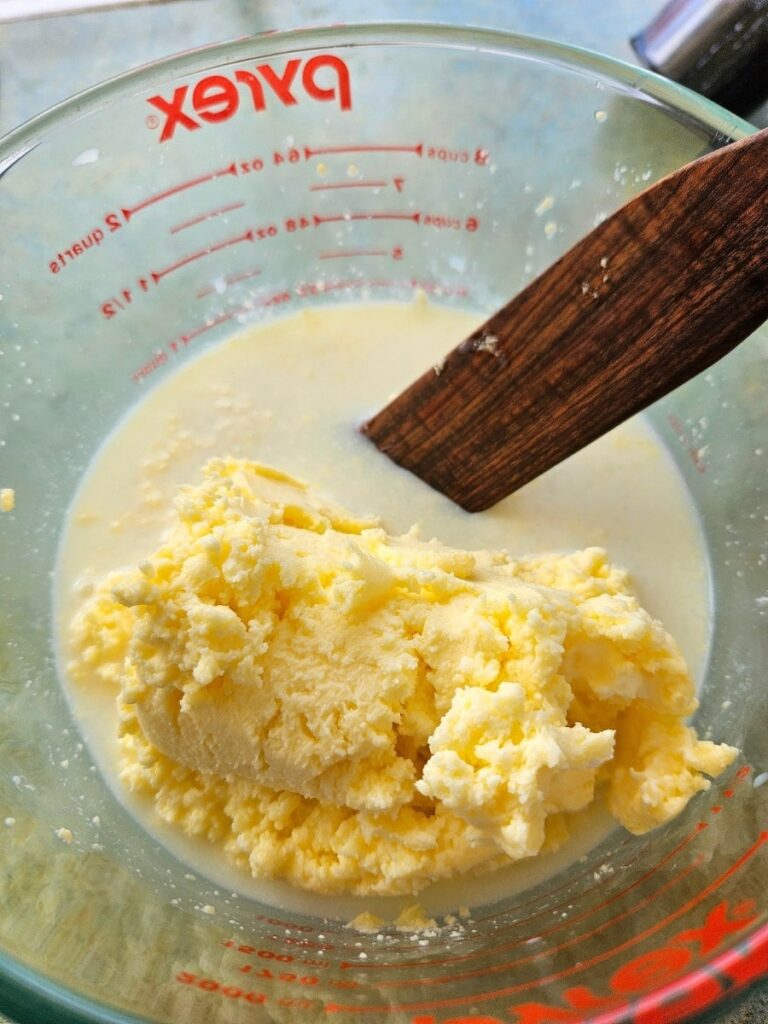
654,295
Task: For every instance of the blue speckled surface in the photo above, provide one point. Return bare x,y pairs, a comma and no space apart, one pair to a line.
44,61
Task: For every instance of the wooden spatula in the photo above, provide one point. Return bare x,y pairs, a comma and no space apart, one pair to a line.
654,295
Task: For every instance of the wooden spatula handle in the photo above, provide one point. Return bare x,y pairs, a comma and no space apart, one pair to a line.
654,295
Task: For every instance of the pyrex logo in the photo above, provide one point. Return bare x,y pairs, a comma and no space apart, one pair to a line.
218,97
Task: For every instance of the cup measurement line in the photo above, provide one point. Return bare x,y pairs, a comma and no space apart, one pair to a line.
206,216
394,948
124,214
336,286
229,280
303,291
353,284
536,899
310,151
111,307
544,954
566,923
341,217
393,965
158,275
129,211
739,777
348,184
351,253
376,282
237,311
575,968
585,892
763,838
582,892
208,326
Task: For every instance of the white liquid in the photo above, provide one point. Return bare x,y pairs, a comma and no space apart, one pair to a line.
292,393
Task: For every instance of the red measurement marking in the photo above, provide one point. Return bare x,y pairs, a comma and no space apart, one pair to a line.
158,359
374,282
309,152
559,947
339,286
78,248
551,909
207,216
742,773
716,809
228,991
208,326
436,288
128,212
727,792
158,275
590,888
338,218
643,878
235,278
532,957
348,184
575,968
230,279
343,253
302,290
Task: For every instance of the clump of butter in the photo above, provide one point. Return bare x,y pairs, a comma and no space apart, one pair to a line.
359,712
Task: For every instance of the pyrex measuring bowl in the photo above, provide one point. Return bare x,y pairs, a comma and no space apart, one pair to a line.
144,221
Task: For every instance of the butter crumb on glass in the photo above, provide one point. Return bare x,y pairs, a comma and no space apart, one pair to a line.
367,923
414,919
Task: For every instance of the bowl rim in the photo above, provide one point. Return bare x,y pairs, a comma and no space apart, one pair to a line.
632,78
22,988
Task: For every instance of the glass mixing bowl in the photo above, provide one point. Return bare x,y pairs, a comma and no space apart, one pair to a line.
493,153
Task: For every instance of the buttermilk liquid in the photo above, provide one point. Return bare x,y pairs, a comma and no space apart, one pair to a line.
292,394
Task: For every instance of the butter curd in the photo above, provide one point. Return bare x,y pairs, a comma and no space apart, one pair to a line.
343,702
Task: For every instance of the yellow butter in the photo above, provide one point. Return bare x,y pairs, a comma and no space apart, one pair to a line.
363,713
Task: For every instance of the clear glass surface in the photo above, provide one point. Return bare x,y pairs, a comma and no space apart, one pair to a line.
103,296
